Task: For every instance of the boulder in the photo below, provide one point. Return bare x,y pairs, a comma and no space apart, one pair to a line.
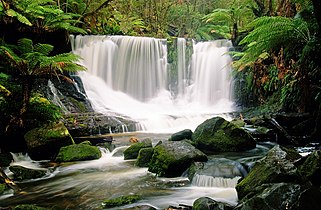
22,173
219,135
181,135
132,151
311,168
44,143
206,203
172,158
277,196
272,197
275,167
144,157
78,152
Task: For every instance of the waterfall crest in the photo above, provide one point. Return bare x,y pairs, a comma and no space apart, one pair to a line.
129,76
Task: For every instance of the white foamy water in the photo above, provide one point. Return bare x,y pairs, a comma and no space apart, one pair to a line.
129,76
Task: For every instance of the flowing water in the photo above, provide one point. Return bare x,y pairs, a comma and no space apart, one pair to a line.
130,76
84,185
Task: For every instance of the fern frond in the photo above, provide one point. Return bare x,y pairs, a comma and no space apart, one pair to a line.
20,17
44,49
272,33
25,45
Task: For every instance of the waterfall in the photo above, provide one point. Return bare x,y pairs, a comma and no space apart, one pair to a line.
129,76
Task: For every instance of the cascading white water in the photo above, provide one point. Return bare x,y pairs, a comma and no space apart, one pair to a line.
128,75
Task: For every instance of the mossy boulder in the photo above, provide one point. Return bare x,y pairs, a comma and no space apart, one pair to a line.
132,151
219,135
78,152
206,203
22,173
122,200
44,143
144,157
311,168
275,167
172,158
181,135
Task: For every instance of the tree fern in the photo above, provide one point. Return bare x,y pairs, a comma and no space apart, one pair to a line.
271,33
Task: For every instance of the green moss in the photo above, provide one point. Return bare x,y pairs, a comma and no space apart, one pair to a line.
144,157
132,151
78,152
122,200
161,161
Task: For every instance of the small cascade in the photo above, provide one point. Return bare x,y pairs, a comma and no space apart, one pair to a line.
54,97
210,181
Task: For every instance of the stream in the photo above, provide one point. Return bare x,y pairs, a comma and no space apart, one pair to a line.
85,184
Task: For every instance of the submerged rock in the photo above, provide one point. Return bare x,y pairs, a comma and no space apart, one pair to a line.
78,152
172,158
122,200
22,173
44,143
219,135
29,207
132,151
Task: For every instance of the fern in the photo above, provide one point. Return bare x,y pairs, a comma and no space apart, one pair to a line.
271,33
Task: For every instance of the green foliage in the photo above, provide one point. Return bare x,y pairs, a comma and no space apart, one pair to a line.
43,14
262,40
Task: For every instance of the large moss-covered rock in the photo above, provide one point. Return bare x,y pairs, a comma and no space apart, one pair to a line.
181,135
44,143
219,135
22,173
132,151
122,200
311,168
144,157
172,158
275,167
78,152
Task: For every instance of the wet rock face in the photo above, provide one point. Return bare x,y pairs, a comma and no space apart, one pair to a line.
273,168
172,158
205,203
311,168
218,135
44,143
